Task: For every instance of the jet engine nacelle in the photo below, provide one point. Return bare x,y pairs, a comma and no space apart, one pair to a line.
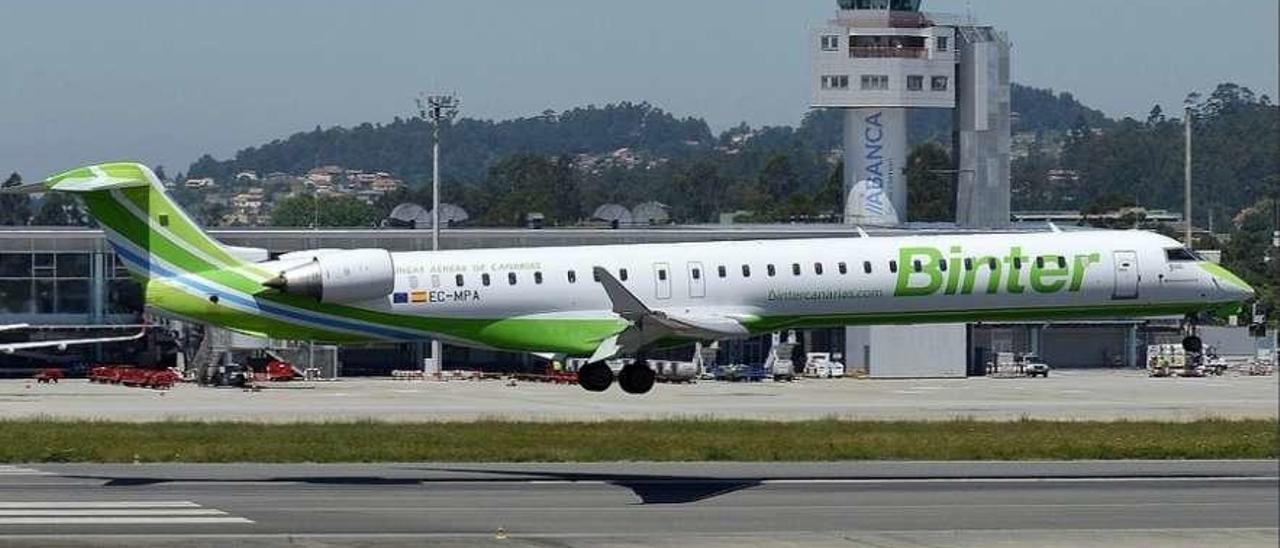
341,277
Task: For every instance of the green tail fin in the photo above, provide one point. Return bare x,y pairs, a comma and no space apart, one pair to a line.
150,231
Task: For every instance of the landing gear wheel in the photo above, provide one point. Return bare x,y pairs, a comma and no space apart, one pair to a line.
1193,344
595,377
637,378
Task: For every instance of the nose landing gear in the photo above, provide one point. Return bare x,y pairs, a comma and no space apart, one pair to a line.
1191,342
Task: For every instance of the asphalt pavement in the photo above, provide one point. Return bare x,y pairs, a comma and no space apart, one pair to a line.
633,505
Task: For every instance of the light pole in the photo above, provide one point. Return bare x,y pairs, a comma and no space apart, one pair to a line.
1187,190
436,108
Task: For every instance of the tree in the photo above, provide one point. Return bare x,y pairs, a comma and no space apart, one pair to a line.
1248,249
331,211
529,183
698,192
932,193
778,178
160,174
60,210
15,209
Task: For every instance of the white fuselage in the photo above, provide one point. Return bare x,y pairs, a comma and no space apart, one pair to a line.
811,279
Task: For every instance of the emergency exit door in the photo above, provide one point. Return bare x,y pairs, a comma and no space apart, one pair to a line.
697,281
1127,277
662,280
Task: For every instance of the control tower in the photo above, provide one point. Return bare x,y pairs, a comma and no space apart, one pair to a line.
879,58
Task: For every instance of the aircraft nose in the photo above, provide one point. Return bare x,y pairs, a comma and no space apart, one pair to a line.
1231,284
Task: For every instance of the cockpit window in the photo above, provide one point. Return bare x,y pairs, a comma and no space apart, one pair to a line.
1181,255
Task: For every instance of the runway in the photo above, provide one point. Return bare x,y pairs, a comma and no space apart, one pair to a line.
843,504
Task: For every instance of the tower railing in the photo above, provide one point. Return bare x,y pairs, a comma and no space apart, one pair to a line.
888,52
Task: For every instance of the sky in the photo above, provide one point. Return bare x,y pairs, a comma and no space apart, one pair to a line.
164,81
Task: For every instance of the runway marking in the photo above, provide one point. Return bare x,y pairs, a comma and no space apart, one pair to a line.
114,513
6,470
123,512
96,504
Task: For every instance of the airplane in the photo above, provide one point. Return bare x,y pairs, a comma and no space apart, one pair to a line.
606,302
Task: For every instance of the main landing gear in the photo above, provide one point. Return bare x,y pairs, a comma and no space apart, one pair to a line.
636,378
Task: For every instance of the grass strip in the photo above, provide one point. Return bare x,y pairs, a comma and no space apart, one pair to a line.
659,441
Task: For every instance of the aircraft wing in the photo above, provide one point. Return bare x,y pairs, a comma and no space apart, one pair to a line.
63,344
649,326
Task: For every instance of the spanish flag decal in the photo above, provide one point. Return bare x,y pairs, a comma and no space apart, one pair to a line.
419,297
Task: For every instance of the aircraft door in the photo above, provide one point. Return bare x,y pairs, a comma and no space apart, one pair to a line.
1127,276
662,280
697,281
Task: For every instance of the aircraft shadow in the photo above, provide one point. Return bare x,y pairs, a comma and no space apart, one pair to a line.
649,489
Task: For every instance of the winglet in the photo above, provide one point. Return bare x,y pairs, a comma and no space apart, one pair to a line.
625,304
862,233
1053,227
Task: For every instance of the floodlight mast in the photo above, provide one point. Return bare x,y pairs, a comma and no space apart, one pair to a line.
1187,179
436,108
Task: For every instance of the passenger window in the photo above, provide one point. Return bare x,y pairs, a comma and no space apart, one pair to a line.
1040,263
866,267
435,281
968,264
724,272
595,275
697,274
893,267
817,268
537,278
1062,262
746,271
942,265
662,275
511,278
622,274
484,279
795,269
1017,263
844,268
993,263
771,271
573,277
919,266
459,280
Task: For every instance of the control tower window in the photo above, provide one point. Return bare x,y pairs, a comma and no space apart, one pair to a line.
831,42
875,82
943,43
940,83
915,83
835,82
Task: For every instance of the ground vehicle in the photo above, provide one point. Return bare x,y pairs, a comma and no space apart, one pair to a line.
821,365
1033,367
48,375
